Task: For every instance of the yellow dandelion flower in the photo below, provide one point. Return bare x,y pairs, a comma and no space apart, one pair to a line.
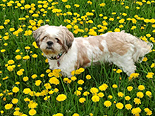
126,7
16,113
117,30
27,6
129,88
103,87
150,75
89,2
127,98
80,82
38,82
61,97
19,73
32,112
119,105
64,0
110,96
34,55
73,78
120,94
54,80
14,100
58,114
77,92
5,78
10,68
148,93
35,15
141,87
79,71
3,50
100,94
148,111
42,75
140,94
8,106
47,86
114,86
121,20
102,4
111,19
88,77
47,97
51,92
15,89
86,93
94,90
26,90
11,62
69,26
133,27
67,6
32,104
26,99
1,27
27,47
135,111
34,76
56,90
75,114
76,5
145,59
95,98
82,100
25,79
107,103
6,37
137,101
18,57
26,57
128,106
34,44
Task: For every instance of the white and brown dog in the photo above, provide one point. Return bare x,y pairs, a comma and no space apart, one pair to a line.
67,53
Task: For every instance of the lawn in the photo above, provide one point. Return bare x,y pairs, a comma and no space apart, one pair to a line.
28,87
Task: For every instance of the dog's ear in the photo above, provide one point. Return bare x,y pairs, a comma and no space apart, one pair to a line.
68,37
39,33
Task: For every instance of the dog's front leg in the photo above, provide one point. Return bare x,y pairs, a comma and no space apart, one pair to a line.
53,64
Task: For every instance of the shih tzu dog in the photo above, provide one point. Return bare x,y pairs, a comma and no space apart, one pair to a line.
67,53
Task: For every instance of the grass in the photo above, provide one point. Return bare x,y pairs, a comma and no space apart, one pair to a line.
27,87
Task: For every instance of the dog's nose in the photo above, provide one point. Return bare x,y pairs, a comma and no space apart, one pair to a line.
49,43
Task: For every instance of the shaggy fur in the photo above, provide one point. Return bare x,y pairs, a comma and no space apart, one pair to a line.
68,53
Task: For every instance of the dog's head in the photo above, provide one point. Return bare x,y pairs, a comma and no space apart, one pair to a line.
53,40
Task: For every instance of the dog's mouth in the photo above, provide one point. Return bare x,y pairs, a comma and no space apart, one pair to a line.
49,48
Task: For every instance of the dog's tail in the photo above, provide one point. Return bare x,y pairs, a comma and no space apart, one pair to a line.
141,48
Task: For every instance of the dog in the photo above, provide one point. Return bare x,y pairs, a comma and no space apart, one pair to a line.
68,53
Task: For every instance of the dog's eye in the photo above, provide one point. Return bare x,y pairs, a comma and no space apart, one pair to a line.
43,38
57,39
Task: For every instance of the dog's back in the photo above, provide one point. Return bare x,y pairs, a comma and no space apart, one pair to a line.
141,48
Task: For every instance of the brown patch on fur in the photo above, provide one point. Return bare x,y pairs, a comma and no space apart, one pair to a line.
82,55
115,45
95,41
67,36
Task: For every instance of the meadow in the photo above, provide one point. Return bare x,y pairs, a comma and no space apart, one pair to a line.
28,87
